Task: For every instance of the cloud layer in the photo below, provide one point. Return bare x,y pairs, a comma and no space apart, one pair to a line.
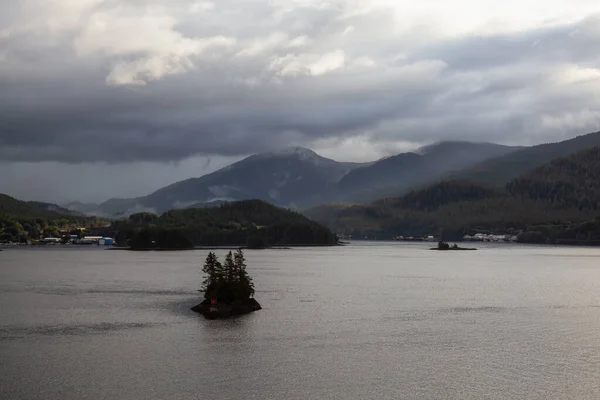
154,80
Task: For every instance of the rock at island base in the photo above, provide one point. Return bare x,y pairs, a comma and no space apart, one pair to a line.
458,248
226,310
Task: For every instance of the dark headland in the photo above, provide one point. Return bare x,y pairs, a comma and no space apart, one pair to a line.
228,289
251,224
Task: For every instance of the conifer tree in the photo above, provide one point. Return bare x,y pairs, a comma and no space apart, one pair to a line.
230,269
211,270
229,281
221,274
245,282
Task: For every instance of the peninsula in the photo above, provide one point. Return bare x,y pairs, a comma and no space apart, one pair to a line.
252,224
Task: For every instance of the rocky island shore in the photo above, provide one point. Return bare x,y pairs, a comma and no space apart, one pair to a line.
226,310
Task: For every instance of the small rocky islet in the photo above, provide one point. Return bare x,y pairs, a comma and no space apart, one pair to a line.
446,246
228,289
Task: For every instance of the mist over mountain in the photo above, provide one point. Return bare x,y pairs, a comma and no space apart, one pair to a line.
297,177
292,177
396,174
502,169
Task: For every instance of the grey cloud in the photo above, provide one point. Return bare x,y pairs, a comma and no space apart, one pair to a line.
566,43
56,104
97,182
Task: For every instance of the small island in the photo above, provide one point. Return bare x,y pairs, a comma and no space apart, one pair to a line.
228,289
446,246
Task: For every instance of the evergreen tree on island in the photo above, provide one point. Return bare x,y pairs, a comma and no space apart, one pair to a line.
246,284
212,269
227,282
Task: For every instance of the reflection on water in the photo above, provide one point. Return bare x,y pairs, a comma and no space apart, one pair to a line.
370,320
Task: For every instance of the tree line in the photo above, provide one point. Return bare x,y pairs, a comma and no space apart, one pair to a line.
25,221
249,223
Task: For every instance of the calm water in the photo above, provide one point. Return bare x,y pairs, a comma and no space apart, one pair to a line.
367,321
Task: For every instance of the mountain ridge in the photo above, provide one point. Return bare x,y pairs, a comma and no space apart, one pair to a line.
265,176
553,202
293,177
396,174
502,169
299,178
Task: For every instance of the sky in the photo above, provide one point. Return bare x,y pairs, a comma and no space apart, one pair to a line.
107,98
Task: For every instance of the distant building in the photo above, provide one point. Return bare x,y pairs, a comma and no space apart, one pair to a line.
89,240
105,241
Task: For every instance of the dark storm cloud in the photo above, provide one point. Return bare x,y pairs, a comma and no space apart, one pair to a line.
231,78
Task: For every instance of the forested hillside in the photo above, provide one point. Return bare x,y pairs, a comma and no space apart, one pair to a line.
397,174
503,169
22,221
568,182
252,223
558,201
446,192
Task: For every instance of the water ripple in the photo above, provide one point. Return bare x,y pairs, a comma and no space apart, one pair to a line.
13,332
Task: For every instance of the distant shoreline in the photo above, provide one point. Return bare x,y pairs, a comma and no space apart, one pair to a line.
559,243
231,247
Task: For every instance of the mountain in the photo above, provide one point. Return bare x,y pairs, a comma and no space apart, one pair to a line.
215,203
82,207
254,223
54,208
566,182
397,174
292,177
500,170
11,206
555,202
406,167
296,177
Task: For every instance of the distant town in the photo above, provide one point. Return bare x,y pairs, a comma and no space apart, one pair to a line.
75,239
68,236
478,237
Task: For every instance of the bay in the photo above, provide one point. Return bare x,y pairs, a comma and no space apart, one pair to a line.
372,320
